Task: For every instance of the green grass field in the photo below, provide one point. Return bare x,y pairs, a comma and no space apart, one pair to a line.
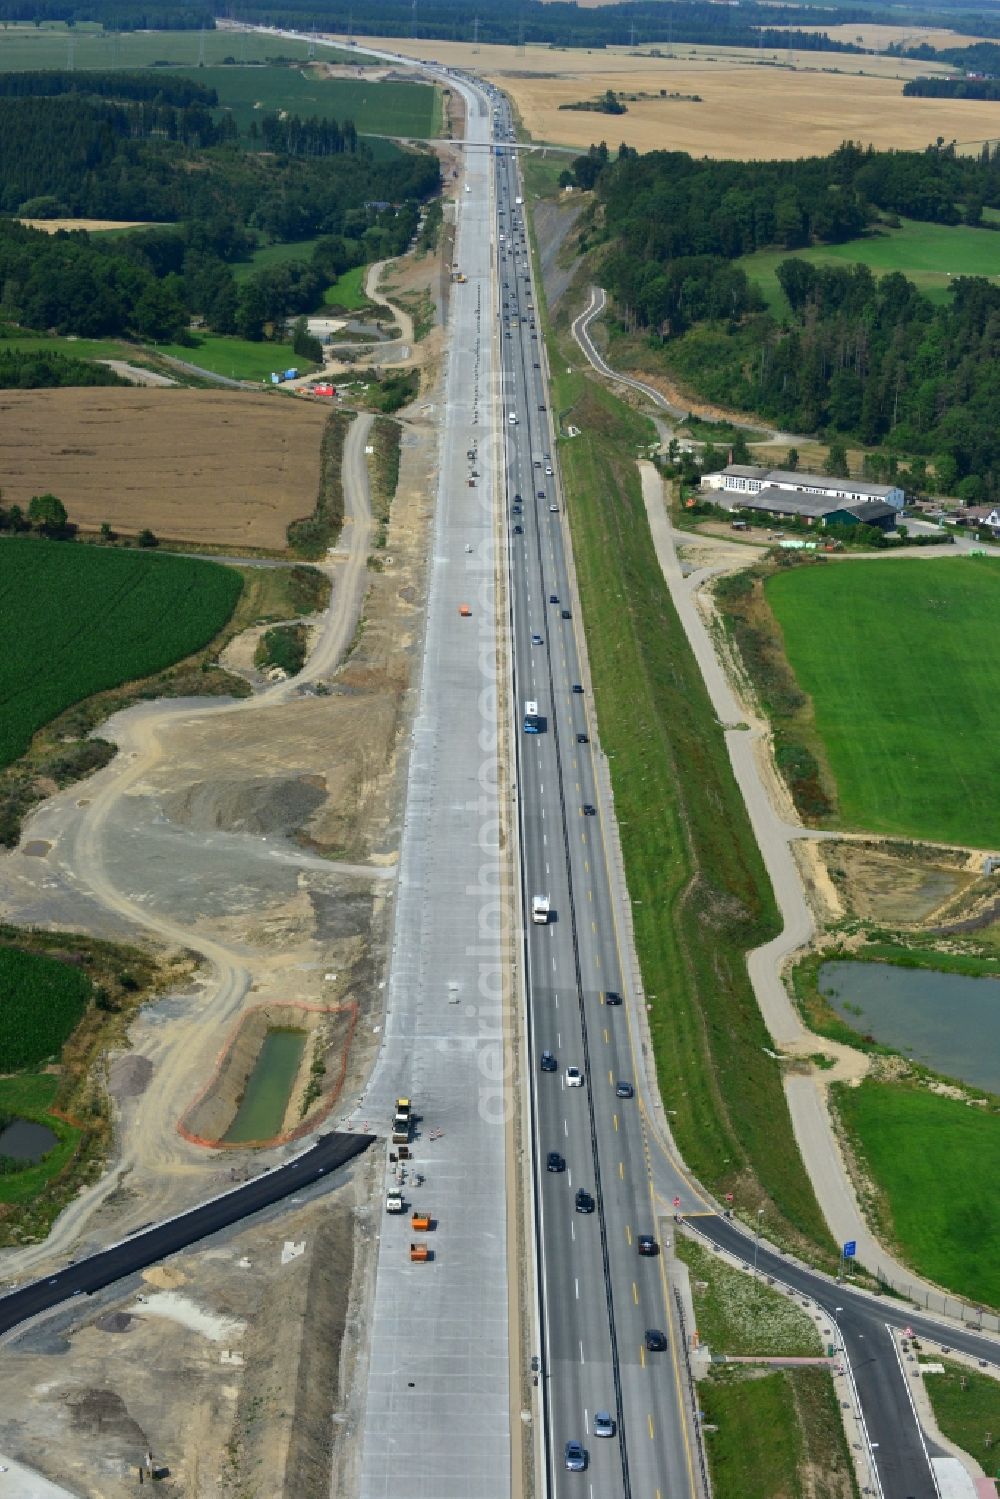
936,1160
80,619
23,47
376,108
41,1001
238,358
75,348
901,661
31,1097
926,253
775,1435
272,255
348,291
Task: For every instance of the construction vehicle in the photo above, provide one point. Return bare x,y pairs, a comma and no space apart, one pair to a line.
419,1253
540,909
464,611
420,1222
401,1122
394,1200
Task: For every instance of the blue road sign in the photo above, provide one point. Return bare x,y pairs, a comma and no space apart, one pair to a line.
850,1249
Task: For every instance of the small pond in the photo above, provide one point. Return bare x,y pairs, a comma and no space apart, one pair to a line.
942,1020
268,1088
24,1140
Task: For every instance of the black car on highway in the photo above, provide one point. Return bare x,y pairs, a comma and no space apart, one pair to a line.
554,1161
655,1340
548,1062
647,1244
584,1201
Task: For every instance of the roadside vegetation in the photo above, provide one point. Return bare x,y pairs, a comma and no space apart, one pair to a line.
94,988
700,896
384,466
775,1434
929,1161
743,1316
311,536
283,646
967,1409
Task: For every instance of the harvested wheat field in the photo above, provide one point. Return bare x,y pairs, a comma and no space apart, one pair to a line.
95,226
752,104
209,467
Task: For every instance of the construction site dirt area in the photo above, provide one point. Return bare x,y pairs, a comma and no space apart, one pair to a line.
222,1365
771,104
220,468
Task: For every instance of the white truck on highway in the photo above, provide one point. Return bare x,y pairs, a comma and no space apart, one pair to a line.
540,909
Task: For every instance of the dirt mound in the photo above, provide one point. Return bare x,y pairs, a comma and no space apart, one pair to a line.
267,805
115,1322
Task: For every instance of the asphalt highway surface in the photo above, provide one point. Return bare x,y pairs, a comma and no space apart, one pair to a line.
157,1242
599,1294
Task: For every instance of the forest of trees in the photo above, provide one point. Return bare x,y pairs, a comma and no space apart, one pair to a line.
952,88
868,358
148,159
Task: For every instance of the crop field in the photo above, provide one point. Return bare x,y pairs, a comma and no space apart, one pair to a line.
930,255
47,46
902,661
210,467
934,1159
767,104
80,619
376,108
41,1001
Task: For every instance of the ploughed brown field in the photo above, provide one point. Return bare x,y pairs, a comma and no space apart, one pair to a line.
209,467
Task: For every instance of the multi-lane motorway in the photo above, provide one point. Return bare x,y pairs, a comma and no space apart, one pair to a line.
600,1296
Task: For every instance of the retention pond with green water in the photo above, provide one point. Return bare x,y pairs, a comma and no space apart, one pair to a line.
268,1088
946,1021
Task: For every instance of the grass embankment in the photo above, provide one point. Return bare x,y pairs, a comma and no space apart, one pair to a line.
908,715
311,536
699,891
933,1162
83,619
967,1409
778,1435
738,1315
71,1100
929,255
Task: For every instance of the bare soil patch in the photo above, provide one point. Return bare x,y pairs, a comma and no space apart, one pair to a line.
207,467
896,885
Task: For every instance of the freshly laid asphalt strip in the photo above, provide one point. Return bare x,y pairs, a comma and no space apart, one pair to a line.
155,1244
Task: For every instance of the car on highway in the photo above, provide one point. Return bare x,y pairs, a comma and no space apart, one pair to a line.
540,494
624,1090
553,509
548,469
577,687
584,1201
548,1062
576,1457
647,1245
518,530
588,809
655,1340
604,1425
553,598
612,997
566,614
582,739
554,1161
574,1077
537,640
541,404
537,366
517,509
537,463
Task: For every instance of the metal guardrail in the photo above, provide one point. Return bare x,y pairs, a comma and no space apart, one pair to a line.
699,1436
